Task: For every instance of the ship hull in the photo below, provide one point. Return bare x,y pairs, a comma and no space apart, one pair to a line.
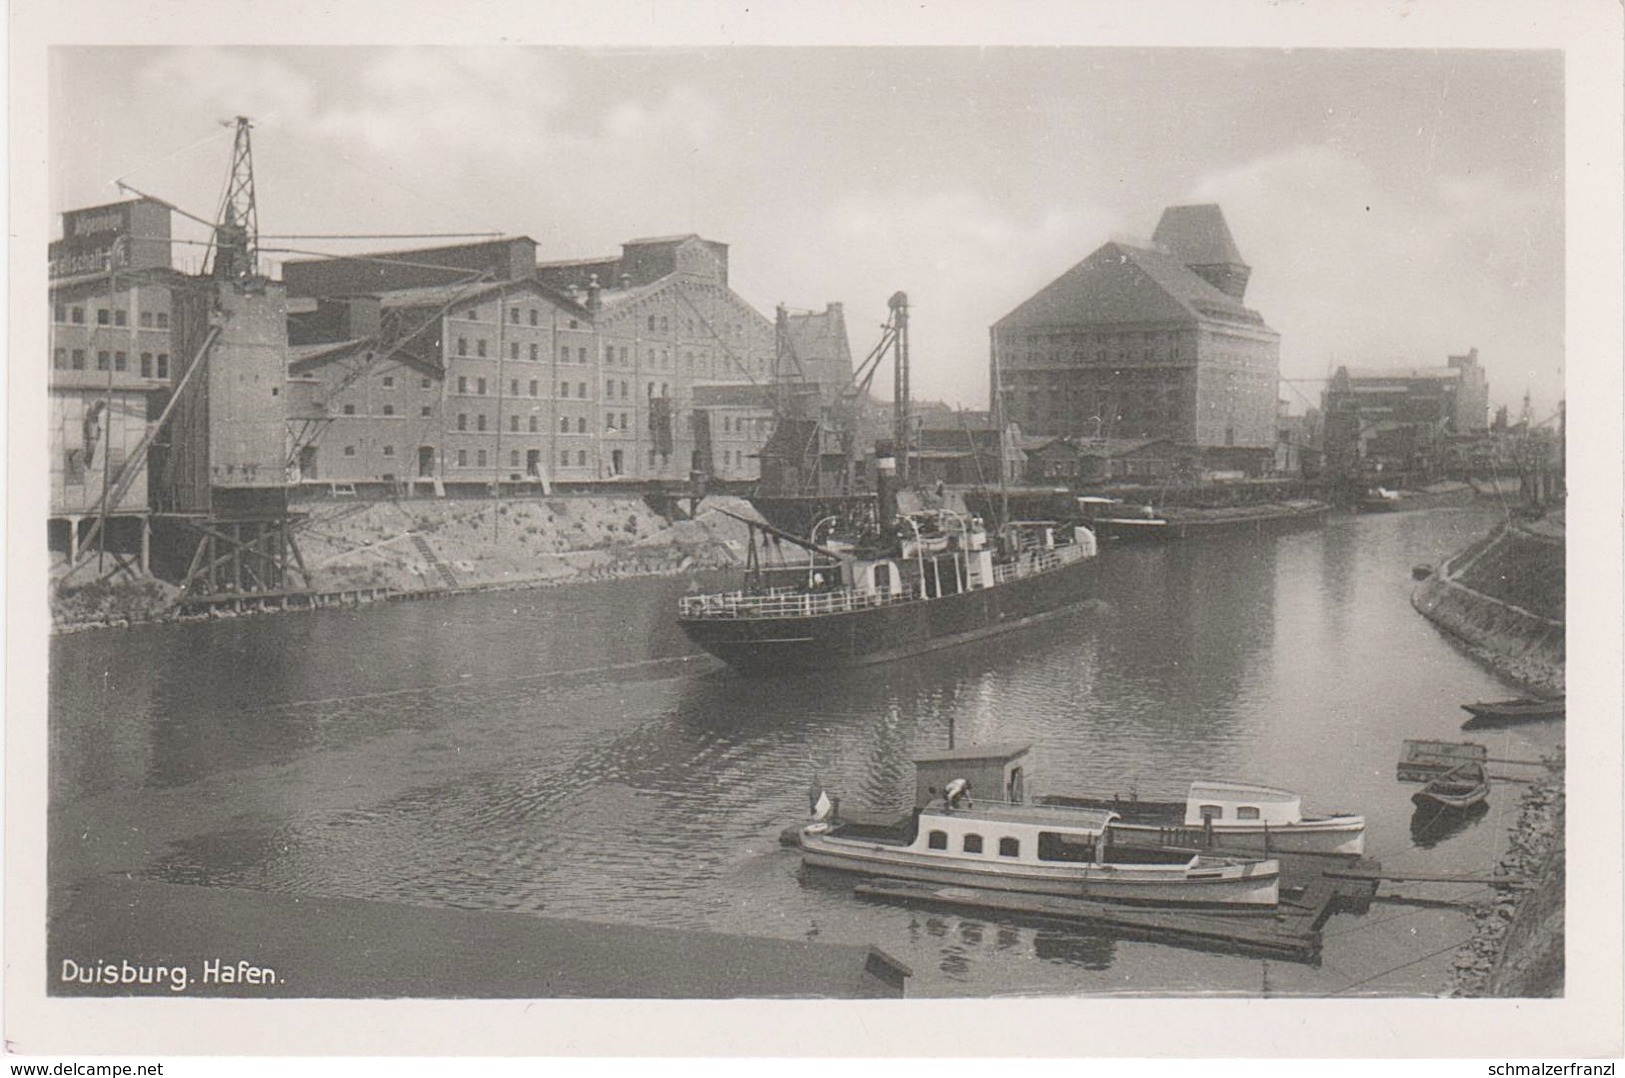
774,645
1255,884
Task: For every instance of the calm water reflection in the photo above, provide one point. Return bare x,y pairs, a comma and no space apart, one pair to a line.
565,751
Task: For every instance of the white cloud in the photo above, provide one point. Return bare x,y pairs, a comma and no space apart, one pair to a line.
684,115
964,261
492,105
1353,270
233,82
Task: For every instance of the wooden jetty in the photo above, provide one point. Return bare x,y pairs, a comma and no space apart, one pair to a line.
1311,893
1424,761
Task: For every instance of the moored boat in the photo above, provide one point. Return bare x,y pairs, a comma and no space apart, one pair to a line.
1113,519
1456,790
959,838
1380,500
938,580
1233,815
1508,712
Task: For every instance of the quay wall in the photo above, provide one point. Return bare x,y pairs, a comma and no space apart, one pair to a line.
1503,598
422,545
1516,951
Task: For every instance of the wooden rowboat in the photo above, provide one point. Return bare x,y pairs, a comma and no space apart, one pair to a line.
1456,790
1506,712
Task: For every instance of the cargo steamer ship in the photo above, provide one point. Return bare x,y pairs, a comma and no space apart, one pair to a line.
941,581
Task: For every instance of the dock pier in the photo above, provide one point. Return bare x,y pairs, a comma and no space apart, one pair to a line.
1291,931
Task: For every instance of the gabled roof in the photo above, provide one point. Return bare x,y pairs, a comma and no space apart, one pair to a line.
679,238
1398,374
568,263
443,295
1119,283
620,297
1197,236
818,335
314,355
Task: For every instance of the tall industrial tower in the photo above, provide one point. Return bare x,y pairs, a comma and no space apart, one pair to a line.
237,228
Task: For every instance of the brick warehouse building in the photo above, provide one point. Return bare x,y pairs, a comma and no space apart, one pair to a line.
1148,343
111,292
476,363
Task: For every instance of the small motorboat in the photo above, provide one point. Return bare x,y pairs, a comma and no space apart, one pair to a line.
1508,712
1456,790
1012,845
1232,815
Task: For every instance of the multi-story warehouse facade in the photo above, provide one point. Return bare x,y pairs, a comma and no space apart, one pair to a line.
472,383
670,327
1142,343
514,371
111,358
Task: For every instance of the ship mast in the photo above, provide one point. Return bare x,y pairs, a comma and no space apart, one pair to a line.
996,410
900,395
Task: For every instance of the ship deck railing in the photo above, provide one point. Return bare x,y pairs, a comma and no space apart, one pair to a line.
1033,562
788,603
795,602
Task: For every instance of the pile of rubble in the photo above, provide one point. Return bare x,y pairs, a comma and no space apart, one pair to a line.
1517,945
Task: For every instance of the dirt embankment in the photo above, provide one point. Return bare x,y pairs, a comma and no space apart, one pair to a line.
428,545
1503,598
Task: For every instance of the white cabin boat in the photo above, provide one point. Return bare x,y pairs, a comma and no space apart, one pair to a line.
1234,816
957,839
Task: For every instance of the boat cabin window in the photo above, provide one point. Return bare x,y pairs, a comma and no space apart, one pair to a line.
937,840
1212,812
1246,812
1054,846
1009,847
973,843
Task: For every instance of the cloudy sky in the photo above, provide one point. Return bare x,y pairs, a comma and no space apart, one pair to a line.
1396,206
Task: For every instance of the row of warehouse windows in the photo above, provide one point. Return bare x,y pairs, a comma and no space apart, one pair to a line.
613,422
662,359
534,316
482,459
480,386
534,422
152,365
114,317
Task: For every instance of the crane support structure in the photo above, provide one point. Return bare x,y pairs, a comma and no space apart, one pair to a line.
237,225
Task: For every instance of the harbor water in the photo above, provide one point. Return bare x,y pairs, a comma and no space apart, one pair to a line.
565,752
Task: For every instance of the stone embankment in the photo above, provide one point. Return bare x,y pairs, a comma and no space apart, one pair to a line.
1517,945
1503,599
427,545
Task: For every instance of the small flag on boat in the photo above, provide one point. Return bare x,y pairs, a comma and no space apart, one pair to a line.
823,806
